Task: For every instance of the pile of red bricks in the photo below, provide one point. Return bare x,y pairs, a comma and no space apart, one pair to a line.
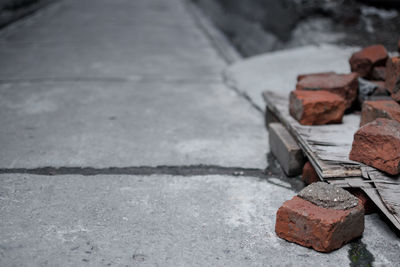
323,98
373,85
377,142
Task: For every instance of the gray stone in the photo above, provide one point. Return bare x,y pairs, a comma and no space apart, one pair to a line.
286,150
328,196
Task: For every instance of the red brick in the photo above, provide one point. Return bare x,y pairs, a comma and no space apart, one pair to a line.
316,107
323,229
369,205
372,110
379,73
363,61
378,144
392,82
309,175
344,85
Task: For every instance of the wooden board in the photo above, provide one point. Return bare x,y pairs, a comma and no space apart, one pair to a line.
328,146
329,155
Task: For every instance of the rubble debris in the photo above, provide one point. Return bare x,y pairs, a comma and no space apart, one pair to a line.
328,196
309,174
372,110
378,144
344,85
316,107
379,73
333,218
392,82
371,90
369,57
285,149
369,205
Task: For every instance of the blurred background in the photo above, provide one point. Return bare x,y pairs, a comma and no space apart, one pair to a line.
258,26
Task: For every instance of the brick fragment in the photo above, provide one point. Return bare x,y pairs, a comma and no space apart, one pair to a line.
392,82
363,61
369,205
285,149
372,110
378,144
309,174
379,73
344,85
323,229
316,107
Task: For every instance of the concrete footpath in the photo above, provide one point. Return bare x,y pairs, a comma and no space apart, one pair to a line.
122,145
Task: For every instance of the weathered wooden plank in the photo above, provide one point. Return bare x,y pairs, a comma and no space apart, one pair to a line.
328,155
388,188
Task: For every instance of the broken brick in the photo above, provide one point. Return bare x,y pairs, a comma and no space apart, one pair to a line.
369,205
323,228
392,82
344,85
372,110
378,144
379,73
309,175
363,61
316,107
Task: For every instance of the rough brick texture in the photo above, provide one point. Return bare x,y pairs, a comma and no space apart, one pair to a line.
344,85
316,107
323,229
372,110
363,61
309,175
378,144
392,82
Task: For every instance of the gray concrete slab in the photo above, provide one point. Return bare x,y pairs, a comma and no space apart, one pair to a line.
158,221
121,124
118,84
151,221
277,71
124,38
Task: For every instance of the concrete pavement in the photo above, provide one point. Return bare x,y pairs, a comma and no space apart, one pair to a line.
135,86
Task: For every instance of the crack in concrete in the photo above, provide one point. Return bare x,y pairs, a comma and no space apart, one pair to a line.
189,170
269,175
